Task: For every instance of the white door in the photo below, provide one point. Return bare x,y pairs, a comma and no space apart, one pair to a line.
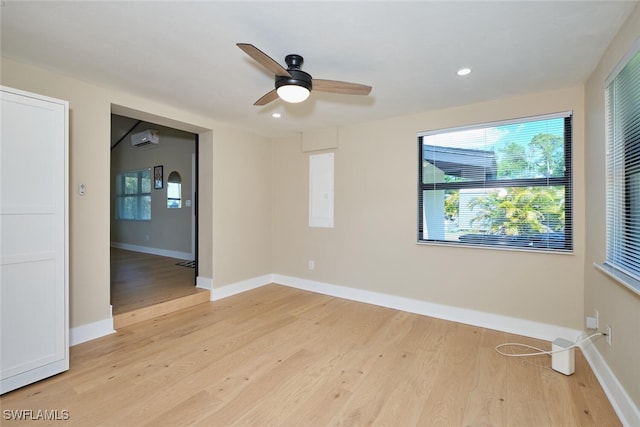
33,238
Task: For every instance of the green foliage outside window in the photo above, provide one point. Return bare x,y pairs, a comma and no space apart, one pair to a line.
500,184
133,195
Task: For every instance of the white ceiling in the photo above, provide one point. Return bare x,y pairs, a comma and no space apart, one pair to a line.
184,53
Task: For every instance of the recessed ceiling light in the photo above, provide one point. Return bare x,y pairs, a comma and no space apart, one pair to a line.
276,115
464,71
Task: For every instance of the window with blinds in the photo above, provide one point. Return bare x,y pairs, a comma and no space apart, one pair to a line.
133,195
623,167
501,185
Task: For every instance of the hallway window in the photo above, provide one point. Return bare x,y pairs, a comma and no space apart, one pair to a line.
174,191
133,195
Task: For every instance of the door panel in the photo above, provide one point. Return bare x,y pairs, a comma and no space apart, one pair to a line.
34,242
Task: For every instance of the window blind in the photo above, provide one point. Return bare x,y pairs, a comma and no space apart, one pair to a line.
623,168
502,184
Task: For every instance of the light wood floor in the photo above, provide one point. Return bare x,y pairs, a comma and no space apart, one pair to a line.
141,280
277,356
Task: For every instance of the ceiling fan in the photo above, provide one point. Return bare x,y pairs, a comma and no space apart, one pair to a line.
294,85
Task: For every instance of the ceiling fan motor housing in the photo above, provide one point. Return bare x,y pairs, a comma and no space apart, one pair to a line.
298,78
294,61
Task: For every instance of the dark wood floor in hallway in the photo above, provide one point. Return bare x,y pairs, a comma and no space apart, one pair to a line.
141,280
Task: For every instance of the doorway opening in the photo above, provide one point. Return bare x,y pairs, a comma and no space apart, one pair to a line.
153,228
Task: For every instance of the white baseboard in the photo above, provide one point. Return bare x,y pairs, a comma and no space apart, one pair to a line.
153,251
622,403
455,314
90,331
239,287
204,283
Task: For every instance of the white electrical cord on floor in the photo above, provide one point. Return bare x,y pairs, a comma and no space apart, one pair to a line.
539,351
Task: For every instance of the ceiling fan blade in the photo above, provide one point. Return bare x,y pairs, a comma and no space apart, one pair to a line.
267,98
263,59
335,86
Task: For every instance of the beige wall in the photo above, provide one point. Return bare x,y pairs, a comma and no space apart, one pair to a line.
226,156
241,209
616,305
373,245
168,229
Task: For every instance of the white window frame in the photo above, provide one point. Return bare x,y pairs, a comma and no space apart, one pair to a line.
139,196
431,190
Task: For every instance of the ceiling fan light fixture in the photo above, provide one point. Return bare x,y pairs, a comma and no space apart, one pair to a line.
294,88
294,85
293,93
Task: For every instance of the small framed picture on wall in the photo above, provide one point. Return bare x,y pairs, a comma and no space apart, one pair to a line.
157,177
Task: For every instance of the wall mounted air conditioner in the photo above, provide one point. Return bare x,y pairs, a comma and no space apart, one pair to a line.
146,137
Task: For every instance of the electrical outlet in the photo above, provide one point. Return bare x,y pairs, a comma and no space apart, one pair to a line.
609,333
312,265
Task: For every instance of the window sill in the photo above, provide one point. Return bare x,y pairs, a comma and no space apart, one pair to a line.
625,280
494,247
